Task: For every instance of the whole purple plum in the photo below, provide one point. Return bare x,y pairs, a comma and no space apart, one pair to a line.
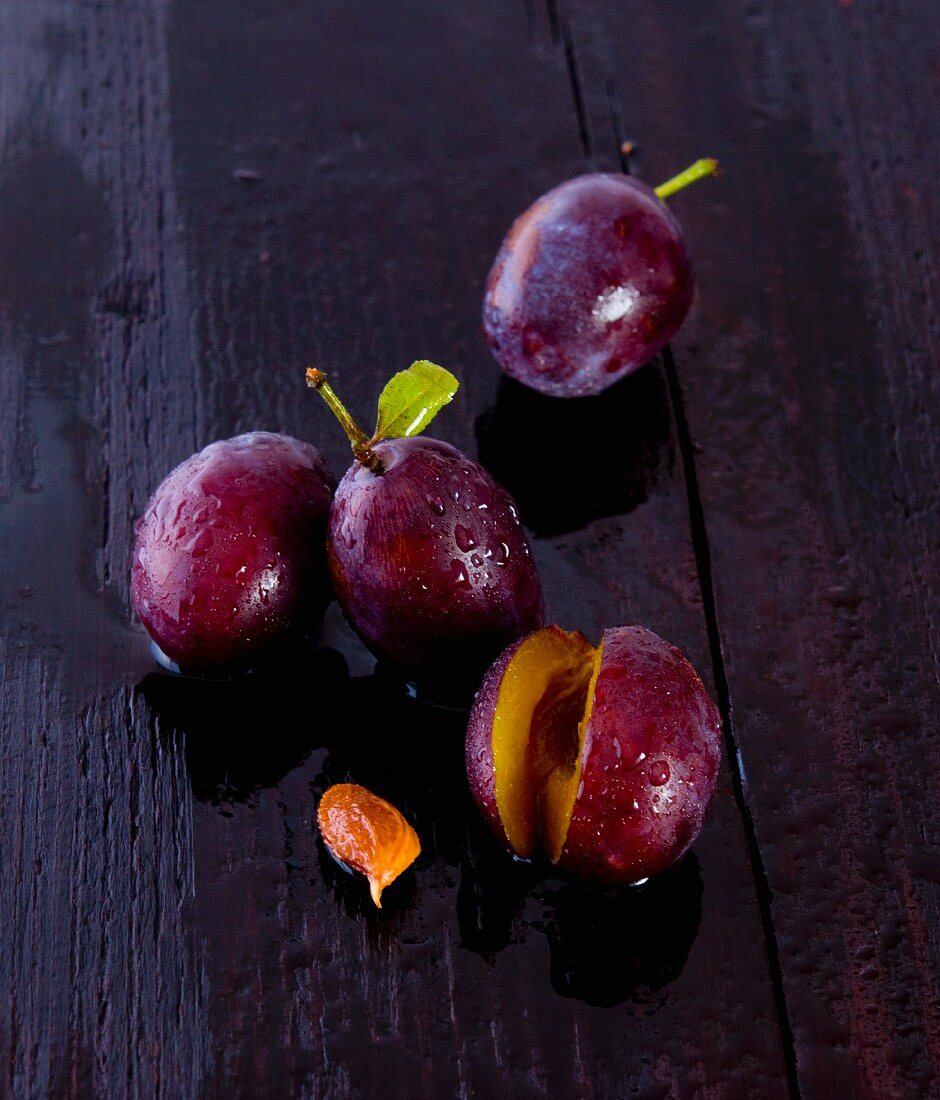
230,552
429,560
589,284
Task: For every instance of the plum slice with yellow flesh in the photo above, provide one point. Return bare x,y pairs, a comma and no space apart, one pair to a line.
605,759
560,789
523,737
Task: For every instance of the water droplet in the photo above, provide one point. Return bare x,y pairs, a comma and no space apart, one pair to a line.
463,536
499,553
436,505
617,749
458,579
659,773
26,590
476,560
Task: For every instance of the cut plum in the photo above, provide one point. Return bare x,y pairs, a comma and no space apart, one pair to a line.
605,759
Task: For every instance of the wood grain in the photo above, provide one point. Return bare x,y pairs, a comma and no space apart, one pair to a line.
196,200
809,382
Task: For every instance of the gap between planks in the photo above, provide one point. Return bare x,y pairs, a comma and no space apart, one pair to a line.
700,546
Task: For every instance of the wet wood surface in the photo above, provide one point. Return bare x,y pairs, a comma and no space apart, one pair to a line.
196,201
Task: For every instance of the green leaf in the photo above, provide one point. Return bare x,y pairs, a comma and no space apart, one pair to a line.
412,399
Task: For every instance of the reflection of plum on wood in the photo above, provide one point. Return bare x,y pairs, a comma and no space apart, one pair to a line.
245,735
608,947
576,461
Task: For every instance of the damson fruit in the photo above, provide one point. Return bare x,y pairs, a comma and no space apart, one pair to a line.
605,759
429,560
590,282
230,552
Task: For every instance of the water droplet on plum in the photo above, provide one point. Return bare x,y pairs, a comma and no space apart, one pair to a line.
659,773
458,580
499,554
464,538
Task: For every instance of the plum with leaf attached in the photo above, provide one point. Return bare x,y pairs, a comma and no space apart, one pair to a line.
590,282
429,560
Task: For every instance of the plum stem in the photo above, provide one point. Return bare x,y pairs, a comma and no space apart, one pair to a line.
359,441
708,166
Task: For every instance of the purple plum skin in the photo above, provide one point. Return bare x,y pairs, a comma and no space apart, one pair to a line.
430,563
650,760
589,284
230,552
479,745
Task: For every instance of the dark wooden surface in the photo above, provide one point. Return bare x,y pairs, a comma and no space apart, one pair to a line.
198,198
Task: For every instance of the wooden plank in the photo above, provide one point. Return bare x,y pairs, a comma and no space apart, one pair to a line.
430,217
192,197
97,842
808,373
